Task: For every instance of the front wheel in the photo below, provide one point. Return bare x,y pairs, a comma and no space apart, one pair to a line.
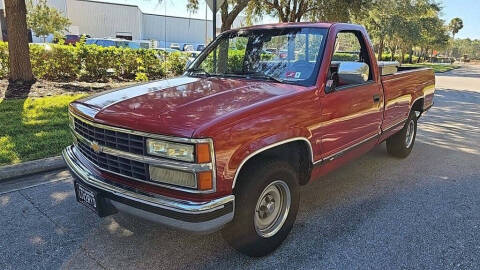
266,205
401,144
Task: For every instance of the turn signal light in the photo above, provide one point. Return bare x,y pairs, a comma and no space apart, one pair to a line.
204,180
203,153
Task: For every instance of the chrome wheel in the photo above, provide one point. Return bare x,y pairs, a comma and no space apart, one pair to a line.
272,209
410,134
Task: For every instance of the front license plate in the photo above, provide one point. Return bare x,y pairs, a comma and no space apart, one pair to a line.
86,197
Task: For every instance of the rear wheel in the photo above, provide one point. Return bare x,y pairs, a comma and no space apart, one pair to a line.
401,144
266,205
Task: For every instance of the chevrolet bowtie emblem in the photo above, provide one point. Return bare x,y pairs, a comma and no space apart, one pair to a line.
95,146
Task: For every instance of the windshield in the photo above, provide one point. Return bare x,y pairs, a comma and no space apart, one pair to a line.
290,55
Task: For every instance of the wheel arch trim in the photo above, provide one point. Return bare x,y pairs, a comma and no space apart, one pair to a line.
270,146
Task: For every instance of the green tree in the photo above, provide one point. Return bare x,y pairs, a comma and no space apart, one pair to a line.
229,10
313,10
456,24
45,20
403,25
466,46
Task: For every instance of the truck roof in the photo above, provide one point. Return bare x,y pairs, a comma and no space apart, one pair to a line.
290,24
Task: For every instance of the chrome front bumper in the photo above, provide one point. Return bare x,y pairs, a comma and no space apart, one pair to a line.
192,216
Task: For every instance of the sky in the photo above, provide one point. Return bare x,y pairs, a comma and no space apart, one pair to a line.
467,10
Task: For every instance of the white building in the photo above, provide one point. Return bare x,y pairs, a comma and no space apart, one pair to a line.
101,19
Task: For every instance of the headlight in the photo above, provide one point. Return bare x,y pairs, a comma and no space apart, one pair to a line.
171,150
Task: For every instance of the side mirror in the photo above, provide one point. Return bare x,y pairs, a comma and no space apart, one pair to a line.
353,73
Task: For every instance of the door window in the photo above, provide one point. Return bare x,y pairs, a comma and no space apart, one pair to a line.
349,51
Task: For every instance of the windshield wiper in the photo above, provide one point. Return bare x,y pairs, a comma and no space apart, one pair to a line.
266,77
198,71
255,75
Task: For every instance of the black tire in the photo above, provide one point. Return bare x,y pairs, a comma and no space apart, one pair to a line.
241,233
397,145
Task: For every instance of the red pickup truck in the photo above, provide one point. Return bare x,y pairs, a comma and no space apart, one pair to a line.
261,111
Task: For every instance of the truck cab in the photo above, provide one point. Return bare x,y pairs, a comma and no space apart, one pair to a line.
260,112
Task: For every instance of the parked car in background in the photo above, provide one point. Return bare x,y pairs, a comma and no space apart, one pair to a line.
90,41
138,44
228,144
162,53
119,43
107,42
188,48
175,46
72,39
200,47
167,50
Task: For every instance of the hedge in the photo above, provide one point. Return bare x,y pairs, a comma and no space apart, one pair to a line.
95,63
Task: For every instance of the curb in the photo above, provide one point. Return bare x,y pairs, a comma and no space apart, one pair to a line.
31,167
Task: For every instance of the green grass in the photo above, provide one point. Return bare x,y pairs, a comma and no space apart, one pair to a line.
33,128
438,68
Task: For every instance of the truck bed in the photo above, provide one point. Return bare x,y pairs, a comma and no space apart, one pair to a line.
403,89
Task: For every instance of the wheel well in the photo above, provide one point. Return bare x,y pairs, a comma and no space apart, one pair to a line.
296,153
418,105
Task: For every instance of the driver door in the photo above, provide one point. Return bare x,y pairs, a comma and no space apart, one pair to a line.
352,113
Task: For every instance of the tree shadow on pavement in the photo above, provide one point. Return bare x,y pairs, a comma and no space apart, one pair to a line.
462,72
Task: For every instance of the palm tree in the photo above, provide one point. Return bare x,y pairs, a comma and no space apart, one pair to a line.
456,24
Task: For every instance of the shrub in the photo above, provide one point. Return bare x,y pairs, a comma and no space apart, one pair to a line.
58,62
141,77
3,60
342,56
95,63
176,62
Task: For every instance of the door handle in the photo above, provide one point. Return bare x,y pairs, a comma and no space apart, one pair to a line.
376,98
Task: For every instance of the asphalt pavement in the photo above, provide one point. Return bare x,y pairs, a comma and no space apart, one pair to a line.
377,212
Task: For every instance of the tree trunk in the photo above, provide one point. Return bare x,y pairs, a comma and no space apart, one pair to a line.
227,22
19,55
421,55
380,49
410,57
392,51
229,18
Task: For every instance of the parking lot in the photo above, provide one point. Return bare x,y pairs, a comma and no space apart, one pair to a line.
377,212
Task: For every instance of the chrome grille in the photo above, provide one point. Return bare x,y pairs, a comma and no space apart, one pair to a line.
114,139
115,164
123,152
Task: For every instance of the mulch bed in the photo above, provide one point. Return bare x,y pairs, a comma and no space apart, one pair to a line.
43,88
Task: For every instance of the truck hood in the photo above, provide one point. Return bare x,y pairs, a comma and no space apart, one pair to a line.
178,106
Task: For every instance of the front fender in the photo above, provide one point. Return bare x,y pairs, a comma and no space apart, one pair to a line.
263,143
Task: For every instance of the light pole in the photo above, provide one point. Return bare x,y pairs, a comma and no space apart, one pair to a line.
214,22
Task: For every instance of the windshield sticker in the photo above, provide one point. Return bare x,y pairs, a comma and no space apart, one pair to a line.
293,74
290,74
